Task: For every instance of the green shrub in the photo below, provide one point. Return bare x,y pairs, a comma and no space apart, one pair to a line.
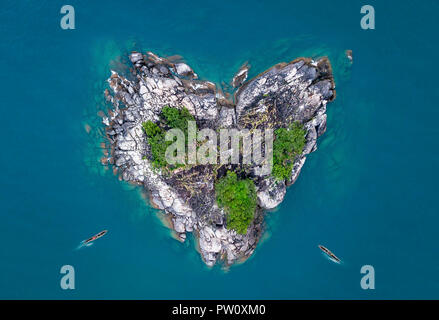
288,144
238,197
156,140
151,129
177,118
172,118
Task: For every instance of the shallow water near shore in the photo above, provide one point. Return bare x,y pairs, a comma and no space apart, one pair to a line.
368,193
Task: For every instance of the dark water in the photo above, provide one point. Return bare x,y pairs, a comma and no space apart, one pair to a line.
369,193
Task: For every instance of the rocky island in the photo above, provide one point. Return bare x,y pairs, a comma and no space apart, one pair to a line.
222,204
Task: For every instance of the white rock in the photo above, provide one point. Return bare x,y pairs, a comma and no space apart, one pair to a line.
182,69
179,226
214,245
143,90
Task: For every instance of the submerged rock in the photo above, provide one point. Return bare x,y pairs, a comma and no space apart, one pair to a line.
182,69
349,55
241,76
287,92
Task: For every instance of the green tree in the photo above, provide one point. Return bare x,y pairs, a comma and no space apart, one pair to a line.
173,118
288,144
238,198
156,140
177,118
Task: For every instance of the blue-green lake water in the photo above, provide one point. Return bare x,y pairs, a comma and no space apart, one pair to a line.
369,192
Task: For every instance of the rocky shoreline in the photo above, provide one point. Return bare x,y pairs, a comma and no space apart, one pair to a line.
287,92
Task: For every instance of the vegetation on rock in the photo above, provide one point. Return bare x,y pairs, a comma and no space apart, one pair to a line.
173,118
288,144
156,139
177,118
238,198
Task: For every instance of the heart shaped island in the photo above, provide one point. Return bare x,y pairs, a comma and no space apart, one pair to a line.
215,159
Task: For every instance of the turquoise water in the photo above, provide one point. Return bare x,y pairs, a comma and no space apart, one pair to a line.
369,193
